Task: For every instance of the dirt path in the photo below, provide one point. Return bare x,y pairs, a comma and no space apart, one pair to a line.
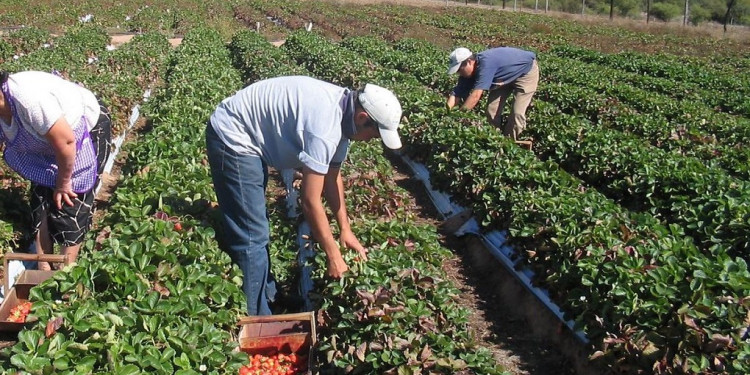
120,39
503,317
109,180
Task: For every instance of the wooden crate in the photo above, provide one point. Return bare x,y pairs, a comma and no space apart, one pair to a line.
285,333
32,277
20,291
18,295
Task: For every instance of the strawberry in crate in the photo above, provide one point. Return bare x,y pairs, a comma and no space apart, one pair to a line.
19,313
280,364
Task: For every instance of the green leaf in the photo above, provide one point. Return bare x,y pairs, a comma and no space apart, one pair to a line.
62,363
130,369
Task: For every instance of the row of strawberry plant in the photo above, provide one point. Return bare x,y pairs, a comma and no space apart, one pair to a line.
676,188
393,21
497,29
20,42
731,91
171,17
155,296
334,18
422,59
712,207
567,86
72,49
403,316
731,130
119,77
629,282
678,90
393,313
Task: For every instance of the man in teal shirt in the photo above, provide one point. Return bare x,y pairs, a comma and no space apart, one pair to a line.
502,71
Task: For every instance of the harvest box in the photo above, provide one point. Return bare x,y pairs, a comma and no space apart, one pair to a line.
21,289
18,295
32,277
285,333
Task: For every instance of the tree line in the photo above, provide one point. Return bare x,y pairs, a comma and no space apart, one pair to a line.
693,12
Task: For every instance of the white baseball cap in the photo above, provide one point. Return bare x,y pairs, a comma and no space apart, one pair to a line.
458,56
383,107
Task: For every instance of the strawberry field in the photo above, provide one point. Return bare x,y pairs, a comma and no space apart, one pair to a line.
631,212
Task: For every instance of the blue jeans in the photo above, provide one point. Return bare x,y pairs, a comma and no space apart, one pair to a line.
240,184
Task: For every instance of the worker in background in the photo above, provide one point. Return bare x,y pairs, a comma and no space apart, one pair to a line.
502,71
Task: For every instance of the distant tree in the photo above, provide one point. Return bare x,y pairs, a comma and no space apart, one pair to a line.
743,12
569,6
698,14
629,8
665,11
694,11
730,7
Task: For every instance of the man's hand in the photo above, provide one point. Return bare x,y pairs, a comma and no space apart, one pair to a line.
336,267
451,102
350,241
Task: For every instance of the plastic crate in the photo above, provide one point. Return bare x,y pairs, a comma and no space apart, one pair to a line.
285,333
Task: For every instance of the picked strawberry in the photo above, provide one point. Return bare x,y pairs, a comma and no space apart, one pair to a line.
19,313
277,364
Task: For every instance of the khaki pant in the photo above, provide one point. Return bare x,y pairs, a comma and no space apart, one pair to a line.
523,89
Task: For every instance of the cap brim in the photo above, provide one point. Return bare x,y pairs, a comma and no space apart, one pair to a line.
390,138
453,69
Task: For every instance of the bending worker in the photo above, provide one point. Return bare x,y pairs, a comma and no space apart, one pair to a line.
57,135
290,122
502,71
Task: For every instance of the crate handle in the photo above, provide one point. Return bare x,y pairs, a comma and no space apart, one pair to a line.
310,315
54,258
274,318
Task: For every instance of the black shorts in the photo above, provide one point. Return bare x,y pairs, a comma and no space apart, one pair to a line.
69,225
101,136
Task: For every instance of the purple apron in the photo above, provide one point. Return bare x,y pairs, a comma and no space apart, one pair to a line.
34,158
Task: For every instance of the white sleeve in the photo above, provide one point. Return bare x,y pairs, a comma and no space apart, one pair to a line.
37,111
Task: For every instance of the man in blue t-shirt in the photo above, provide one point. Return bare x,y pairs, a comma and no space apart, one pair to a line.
502,71
290,122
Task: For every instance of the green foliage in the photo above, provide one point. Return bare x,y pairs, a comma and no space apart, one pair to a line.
26,40
152,298
665,11
553,217
662,288
404,257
